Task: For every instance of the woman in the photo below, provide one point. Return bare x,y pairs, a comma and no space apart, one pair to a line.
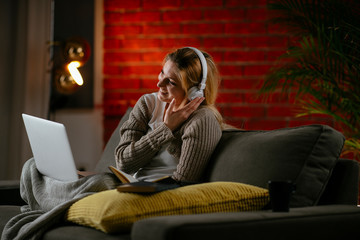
167,134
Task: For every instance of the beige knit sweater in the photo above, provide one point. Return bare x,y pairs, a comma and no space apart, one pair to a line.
193,143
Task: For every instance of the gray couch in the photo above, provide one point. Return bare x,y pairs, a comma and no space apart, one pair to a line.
324,205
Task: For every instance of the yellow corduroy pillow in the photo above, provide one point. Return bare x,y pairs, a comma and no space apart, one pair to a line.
111,211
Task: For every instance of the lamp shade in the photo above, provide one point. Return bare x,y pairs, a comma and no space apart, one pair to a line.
64,82
76,49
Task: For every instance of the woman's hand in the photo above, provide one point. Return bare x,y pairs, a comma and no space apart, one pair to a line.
174,118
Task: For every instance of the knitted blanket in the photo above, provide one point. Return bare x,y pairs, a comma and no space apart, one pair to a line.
48,200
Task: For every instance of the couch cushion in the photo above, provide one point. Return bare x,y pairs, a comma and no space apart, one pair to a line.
108,156
334,222
112,211
305,155
71,232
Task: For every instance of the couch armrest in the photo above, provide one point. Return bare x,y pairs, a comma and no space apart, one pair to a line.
10,193
319,222
343,185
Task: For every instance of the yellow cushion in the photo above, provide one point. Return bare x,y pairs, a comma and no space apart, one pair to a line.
111,211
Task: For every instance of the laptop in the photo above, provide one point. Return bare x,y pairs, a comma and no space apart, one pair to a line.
52,152
51,148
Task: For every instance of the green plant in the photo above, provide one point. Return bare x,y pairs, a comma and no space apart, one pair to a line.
322,61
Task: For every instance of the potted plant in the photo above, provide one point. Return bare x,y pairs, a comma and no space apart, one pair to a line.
322,62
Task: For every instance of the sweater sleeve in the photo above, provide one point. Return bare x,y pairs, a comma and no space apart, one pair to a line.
137,146
201,136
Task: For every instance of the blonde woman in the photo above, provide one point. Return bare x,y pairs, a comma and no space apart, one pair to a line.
174,131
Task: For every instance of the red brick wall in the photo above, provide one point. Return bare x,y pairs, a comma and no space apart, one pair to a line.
139,33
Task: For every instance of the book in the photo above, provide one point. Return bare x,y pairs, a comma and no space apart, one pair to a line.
132,185
127,178
145,187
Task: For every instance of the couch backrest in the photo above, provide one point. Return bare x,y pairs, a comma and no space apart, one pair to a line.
108,156
305,155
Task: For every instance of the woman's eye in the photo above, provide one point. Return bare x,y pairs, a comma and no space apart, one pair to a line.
172,83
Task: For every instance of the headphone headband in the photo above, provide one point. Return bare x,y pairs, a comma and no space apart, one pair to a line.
201,56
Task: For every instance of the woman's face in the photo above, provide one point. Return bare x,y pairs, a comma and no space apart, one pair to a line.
169,86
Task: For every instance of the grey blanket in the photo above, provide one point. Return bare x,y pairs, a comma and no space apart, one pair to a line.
48,199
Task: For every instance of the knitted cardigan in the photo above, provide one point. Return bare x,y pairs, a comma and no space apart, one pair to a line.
192,143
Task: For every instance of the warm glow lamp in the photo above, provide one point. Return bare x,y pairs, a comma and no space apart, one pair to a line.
76,49
67,79
64,82
74,72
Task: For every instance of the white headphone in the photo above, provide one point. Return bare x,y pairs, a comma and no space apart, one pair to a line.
198,91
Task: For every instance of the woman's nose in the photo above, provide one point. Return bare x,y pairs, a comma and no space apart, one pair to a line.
161,82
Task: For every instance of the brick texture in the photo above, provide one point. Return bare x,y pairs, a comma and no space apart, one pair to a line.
139,33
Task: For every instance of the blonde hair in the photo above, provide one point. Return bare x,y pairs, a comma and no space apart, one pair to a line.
190,75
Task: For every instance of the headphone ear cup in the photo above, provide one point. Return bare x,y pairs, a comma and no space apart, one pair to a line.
194,92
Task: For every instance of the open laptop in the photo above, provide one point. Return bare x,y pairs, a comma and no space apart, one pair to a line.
51,148
52,152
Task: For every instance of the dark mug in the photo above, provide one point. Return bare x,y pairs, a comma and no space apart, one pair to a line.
280,193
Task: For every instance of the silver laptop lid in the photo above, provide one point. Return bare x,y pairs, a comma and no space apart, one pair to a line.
51,149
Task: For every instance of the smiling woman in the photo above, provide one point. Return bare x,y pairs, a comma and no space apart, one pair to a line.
167,134
170,87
